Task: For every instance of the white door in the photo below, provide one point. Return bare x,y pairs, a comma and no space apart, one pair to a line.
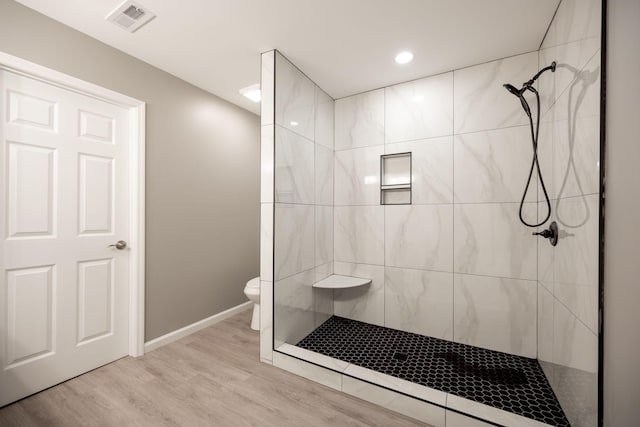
64,194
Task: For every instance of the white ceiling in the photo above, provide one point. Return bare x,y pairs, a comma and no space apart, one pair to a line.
345,46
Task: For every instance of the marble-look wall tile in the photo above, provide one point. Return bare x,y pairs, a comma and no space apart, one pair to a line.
394,383
310,371
359,234
266,321
267,138
545,324
496,313
419,109
576,160
576,136
324,175
493,166
294,239
574,345
419,236
546,252
581,299
545,161
313,357
419,301
574,20
359,120
490,240
480,101
485,412
323,305
323,271
363,303
582,97
324,119
324,235
267,88
570,60
455,419
430,414
295,99
357,176
266,241
294,315
323,298
432,169
576,257
294,168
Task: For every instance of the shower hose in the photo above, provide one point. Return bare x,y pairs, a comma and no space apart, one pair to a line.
535,164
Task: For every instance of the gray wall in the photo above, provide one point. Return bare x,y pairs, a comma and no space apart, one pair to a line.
622,228
202,171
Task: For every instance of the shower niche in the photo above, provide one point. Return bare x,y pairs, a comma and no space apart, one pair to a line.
395,179
394,266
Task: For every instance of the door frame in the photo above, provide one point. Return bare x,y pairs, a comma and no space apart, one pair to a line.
137,111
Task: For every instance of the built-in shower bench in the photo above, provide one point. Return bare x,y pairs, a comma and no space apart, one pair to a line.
336,281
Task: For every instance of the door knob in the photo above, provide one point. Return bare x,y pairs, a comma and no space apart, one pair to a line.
120,244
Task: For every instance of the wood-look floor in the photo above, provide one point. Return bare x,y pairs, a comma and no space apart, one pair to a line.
211,378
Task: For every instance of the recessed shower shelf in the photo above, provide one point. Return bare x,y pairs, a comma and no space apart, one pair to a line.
336,281
406,186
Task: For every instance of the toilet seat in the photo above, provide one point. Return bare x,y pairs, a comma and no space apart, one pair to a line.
253,283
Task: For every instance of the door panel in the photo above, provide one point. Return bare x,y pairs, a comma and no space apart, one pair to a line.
95,299
29,110
65,198
96,127
31,190
30,311
96,194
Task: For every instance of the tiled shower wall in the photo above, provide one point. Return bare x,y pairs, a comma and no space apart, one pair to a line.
456,264
570,153
302,194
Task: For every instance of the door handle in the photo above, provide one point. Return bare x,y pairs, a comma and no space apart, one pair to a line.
120,244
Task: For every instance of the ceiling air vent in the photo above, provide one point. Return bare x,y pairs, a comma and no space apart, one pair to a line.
130,16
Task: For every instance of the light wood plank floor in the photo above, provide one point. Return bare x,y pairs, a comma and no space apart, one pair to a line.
210,378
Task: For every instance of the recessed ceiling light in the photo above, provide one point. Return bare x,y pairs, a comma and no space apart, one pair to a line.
404,57
294,123
252,92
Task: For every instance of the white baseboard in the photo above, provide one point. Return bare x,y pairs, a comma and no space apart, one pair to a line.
194,327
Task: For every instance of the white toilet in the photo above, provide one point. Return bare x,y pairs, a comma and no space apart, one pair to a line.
252,291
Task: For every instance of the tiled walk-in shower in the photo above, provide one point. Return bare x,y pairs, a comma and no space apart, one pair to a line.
391,218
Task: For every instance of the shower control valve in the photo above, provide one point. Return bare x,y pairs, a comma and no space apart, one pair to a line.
551,233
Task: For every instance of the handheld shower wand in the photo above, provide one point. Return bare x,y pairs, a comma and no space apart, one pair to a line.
519,93
528,86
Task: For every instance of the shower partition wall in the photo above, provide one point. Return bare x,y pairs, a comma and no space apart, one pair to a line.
455,268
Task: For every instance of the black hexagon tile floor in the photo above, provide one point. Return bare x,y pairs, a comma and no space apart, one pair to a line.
505,381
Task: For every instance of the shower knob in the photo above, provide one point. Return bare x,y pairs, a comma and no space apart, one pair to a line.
551,233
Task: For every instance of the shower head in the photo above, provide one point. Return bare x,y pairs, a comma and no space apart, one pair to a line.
512,89
519,94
